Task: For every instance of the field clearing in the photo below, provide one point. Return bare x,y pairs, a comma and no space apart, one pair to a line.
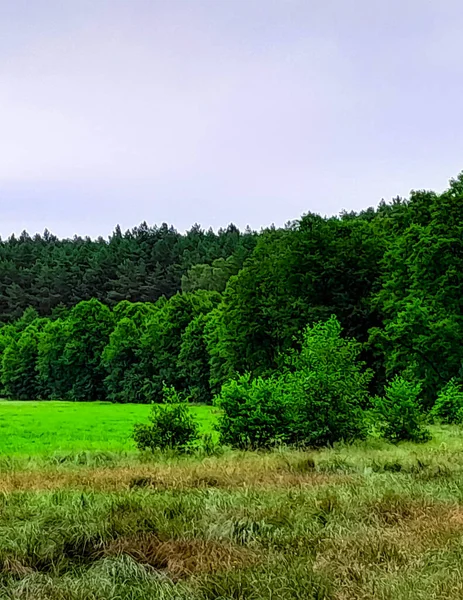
31,428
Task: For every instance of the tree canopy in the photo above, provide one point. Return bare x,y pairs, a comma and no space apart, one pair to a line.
122,318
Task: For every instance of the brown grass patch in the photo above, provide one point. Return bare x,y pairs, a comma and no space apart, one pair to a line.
399,539
181,558
260,474
15,568
420,521
394,509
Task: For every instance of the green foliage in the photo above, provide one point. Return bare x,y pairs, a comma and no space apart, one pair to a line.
398,414
88,329
256,414
298,276
124,355
329,387
320,401
161,342
193,361
171,427
51,366
137,312
170,395
120,328
448,407
141,265
209,445
120,359
421,295
20,378
211,277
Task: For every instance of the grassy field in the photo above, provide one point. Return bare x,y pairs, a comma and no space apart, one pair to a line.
43,427
368,521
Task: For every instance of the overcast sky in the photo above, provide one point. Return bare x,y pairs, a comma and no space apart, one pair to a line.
219,111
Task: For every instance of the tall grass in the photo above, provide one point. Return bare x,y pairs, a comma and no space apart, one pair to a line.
365,521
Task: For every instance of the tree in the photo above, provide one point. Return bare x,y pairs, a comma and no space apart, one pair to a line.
161,341
170,427
319,400
329,385
88,329
20,377
448,407
421,298
255,413
120,359
211,277
315,268
142,264
398,414
52,370
193,361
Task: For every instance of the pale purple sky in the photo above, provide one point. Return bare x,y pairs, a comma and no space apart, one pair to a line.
219,111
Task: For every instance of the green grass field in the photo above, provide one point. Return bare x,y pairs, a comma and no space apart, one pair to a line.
31,428
85,517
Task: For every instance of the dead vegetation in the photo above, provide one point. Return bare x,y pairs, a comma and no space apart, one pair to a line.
254,471
181,558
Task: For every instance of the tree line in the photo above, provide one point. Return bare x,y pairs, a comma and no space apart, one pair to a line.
140,265
152,310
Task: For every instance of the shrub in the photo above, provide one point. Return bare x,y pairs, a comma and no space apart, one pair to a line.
449,404
318,401
398,415
171,426
255,413
328,387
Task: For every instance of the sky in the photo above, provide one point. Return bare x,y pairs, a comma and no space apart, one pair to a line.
250,112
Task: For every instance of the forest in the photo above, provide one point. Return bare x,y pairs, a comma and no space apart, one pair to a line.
152,311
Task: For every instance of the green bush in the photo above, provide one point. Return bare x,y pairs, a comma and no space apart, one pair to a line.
255,413
398,415
328,388
318,401
171,427
449,404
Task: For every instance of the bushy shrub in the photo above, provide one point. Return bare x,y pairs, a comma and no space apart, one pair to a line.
318,401
398,415
449,404
255,413
328,388
170,426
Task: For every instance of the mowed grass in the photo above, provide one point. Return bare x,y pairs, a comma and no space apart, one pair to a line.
32,428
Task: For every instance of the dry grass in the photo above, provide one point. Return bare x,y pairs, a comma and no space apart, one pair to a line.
398,540
181,558
253,471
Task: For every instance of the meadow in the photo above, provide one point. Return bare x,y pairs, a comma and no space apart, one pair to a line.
32,428
365,521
